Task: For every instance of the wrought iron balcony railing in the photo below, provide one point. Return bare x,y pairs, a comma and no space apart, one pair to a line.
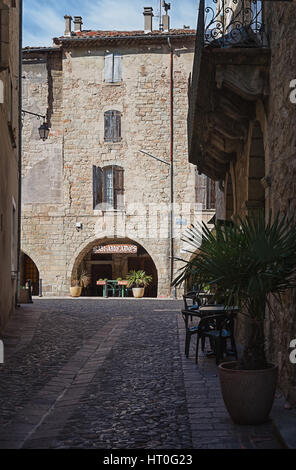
231,23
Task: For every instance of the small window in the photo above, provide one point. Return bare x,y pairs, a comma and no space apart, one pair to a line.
205,191
108,188
113,68
112,126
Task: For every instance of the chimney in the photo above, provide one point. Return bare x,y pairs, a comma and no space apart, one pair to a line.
148,18
166,22
68,25
77,23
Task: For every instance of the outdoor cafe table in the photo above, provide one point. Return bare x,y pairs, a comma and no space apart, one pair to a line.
113,284
207,310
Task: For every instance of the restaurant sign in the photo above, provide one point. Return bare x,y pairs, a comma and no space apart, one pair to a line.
118,249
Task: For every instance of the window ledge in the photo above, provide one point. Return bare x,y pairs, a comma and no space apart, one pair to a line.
113,83
101,212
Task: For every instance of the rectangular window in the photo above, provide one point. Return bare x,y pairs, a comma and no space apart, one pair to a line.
108,188
112,126
113,68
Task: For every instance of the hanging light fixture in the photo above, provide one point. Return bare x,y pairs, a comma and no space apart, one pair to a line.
43,131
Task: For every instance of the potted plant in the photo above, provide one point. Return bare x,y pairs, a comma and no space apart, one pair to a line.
101,282
138,280
85,279
251,261
76,288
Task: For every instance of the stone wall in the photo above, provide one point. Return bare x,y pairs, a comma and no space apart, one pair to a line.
277,119
57,174
281,161
9,129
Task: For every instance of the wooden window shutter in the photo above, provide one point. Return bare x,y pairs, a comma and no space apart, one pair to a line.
108,126
117,126
112,123
97,186
118,184
109,68
117,68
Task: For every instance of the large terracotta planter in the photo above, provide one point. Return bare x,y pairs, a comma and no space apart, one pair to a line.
248,394
138,292
75,291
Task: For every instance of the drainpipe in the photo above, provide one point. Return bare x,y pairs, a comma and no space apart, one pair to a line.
172,163
19,152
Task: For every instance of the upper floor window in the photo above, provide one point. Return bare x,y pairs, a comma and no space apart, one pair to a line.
205,191
108,187
113,68
112,126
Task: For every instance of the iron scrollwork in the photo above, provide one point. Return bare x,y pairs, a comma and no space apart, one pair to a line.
230,23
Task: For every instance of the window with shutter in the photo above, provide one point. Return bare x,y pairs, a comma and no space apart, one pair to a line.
108,187
112,123
113,68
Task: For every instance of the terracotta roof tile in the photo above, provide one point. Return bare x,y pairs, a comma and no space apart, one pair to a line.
123,34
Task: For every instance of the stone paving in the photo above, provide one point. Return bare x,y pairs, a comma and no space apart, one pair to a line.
111,374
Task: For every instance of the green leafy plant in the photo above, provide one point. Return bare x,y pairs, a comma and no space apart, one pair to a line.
250,261
138,279
85,279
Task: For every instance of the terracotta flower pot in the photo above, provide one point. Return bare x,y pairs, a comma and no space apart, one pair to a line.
138,292
75,291
248,394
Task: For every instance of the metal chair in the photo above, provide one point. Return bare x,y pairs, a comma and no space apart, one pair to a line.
218,328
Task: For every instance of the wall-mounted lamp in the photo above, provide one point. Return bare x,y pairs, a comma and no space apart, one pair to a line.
78,226
43,129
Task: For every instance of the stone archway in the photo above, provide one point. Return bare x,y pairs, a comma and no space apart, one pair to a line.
29,271
113,265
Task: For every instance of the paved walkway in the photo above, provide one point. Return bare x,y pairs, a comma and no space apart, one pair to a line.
111,374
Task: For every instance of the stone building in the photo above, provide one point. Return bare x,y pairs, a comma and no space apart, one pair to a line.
242,128
10,21
92,202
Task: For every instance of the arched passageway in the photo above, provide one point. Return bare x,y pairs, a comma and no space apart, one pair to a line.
29,272
112,259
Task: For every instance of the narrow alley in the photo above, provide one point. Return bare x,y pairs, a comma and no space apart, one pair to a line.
112,374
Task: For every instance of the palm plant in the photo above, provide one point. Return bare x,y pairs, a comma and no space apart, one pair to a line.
138,279
250,261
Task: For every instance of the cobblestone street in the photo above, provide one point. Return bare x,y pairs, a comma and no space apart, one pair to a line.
111,374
